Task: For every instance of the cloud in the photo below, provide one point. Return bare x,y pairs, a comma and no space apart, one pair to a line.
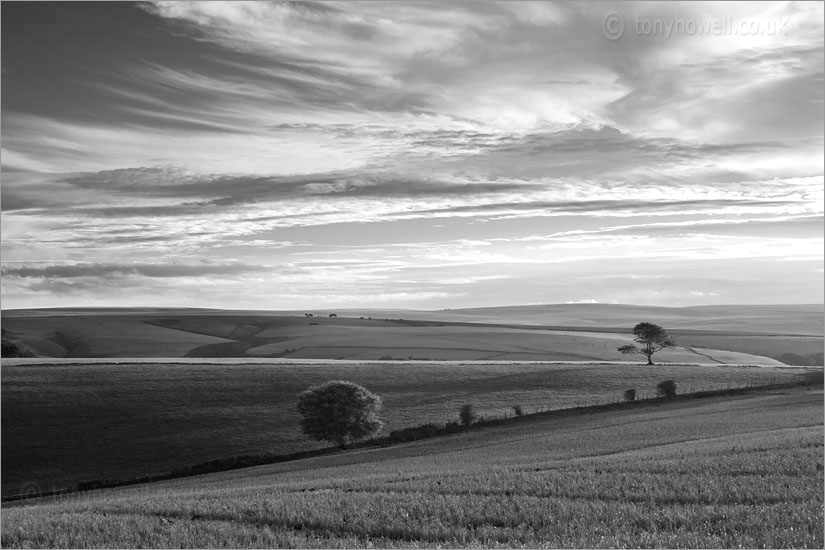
384,142
131,282
613,207
252,73
362,298
783,226
125,270
172,182
746,96
13,161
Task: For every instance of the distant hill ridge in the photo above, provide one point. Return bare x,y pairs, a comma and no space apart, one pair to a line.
753,334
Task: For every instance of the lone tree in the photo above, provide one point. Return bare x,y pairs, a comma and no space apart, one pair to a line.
650,339
339,412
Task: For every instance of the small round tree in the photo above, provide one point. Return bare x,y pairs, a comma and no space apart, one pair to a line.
650,339
339,412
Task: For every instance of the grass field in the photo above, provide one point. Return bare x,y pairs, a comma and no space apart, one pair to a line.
756,335
742,471
65,424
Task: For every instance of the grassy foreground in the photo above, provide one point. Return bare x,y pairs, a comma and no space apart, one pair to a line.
743,471
66,424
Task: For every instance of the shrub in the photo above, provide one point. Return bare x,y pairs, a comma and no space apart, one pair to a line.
428,430
517,410
452,427
815,377
666,388
411,434
15,349
467,415
630,395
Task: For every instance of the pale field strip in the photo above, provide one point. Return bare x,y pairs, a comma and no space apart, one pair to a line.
57,361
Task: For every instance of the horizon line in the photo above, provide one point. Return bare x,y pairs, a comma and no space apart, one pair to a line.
442,310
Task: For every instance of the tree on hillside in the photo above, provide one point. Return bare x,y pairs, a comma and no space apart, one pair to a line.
339,412
649,339
15,349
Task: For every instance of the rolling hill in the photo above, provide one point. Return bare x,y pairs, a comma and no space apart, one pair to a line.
759,335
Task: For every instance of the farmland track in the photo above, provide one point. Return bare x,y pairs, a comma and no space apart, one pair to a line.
704,355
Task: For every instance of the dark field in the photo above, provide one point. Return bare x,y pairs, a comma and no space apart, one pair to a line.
65,424
721,472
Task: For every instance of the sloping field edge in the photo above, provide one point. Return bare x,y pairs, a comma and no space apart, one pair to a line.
250,360
814,378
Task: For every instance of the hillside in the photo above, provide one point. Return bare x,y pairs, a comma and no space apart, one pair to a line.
718,472
64,424
760,335
796,319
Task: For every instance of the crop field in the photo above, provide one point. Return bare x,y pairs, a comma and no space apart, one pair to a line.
65,424
720,472
753,335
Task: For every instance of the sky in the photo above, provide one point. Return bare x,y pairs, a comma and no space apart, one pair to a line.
423,155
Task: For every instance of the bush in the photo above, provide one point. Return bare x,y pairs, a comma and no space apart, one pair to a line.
15,349
411,434
467,415
517,410
630,395
816,377
666,388
452,427
428,430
